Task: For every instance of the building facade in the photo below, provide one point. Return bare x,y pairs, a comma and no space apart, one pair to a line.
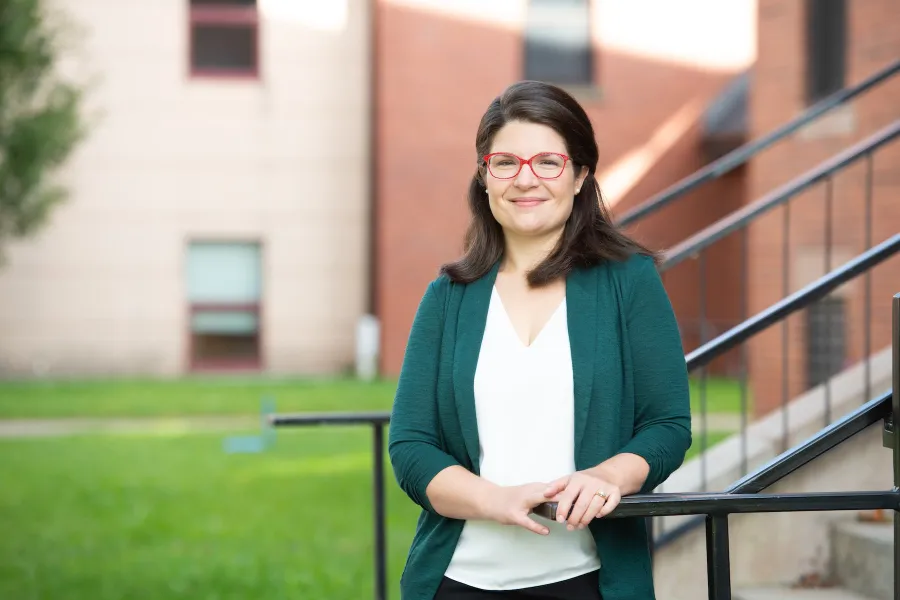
806,51
261,174
219,206
647,85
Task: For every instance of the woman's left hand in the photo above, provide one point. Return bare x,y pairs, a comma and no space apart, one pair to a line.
586,495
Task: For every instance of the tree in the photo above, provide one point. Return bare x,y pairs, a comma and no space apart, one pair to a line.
40,118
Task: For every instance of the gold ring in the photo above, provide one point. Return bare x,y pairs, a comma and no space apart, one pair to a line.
601,494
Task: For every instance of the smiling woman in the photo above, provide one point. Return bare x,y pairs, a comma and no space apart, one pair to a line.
545,365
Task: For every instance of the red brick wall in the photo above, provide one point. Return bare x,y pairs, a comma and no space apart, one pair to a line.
777,96
436,79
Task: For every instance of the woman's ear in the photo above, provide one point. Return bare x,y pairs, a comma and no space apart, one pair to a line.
579,179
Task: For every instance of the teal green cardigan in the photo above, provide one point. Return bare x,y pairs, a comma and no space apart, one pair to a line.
631,395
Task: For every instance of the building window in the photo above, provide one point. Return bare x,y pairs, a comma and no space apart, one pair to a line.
826,339
224,38
826,41
558,45
224,284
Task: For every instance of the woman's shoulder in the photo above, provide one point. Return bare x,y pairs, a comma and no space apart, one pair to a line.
631,270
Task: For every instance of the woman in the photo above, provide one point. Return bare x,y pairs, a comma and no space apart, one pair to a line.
543,366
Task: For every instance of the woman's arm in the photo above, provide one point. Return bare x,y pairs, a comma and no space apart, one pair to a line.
661,392
413,442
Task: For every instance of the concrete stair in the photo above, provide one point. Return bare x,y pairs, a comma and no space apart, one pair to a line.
862,558
784,593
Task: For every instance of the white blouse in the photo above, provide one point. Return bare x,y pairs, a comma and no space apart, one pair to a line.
525,409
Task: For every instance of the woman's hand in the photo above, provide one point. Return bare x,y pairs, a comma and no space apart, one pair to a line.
586,495
511,505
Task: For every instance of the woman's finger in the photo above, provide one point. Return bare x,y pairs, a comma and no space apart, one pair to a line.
555,487
582,503
610,505
531,525
596,505
566,502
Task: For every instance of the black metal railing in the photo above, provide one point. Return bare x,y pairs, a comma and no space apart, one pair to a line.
742,155
742,497
834,327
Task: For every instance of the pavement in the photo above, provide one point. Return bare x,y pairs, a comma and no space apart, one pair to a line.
33,428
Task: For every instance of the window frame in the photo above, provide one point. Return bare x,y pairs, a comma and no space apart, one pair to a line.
818,82
593,82
199,365
223,15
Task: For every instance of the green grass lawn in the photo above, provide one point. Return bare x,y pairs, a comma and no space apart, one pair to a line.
195,397
168,515
165,517
188,397
722,395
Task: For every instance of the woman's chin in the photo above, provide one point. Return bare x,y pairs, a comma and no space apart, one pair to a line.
525,228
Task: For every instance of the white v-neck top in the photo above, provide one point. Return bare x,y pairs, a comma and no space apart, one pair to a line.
524,405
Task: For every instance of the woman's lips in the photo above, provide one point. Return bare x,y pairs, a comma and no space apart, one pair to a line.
527,201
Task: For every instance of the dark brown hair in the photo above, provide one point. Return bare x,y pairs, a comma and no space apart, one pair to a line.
589,235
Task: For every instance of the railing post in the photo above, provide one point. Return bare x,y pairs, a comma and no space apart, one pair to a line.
718,561
895,382
379,516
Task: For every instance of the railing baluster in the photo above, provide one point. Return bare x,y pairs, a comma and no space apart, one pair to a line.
867,285
785,290
703,374
829,193
378,490
895,380
745,300
718,562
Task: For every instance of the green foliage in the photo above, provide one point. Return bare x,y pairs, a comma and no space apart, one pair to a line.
40,120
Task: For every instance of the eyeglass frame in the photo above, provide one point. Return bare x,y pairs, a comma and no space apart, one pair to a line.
523,162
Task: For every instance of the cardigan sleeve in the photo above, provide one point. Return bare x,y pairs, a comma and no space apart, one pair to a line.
662,427
413,441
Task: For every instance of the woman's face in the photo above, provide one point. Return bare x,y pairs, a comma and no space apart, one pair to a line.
525,204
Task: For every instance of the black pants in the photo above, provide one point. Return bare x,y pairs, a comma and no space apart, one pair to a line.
584,587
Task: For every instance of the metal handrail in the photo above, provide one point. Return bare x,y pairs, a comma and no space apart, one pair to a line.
801,299
741,155
740,218
789,461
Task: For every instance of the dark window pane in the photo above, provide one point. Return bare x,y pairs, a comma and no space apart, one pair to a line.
558,42
826,339
224,47
211,347
826,24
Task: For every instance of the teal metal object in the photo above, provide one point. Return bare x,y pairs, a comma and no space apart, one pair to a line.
254,444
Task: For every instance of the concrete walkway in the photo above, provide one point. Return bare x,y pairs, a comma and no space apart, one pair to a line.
30,428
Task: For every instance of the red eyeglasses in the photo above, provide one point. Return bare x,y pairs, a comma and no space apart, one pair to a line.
545,165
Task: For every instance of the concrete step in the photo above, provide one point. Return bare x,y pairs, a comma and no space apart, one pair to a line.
786,593
862,558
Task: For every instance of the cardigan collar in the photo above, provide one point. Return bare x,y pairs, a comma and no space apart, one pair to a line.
581,303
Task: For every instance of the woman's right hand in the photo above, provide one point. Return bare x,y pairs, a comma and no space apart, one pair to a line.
512,505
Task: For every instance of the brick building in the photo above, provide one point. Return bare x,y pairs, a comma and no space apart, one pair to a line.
666,97
805,51
646,85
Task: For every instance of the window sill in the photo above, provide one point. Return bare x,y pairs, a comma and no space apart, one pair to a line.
212,74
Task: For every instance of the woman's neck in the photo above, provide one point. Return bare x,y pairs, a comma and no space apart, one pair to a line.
523,254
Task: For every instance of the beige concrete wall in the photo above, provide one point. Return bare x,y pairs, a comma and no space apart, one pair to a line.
282,160
777,548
